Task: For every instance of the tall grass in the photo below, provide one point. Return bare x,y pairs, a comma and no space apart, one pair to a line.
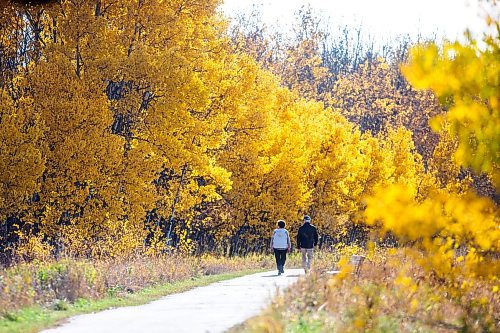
48,283
379,300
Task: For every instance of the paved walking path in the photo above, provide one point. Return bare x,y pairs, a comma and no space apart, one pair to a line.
214,308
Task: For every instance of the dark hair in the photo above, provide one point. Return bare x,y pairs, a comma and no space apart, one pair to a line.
281,224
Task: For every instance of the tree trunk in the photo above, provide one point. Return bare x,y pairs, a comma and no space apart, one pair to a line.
176,200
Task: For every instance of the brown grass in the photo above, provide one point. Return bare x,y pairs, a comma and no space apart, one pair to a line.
48,283
380,300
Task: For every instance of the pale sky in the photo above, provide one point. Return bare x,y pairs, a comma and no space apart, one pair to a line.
382,19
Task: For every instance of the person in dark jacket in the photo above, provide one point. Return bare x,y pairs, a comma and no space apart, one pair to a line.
307,239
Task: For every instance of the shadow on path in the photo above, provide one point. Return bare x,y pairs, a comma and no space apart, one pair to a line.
284,275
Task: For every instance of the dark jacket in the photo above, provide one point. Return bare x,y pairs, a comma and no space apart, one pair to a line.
307,236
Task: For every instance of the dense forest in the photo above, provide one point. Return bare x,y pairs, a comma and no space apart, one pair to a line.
150,126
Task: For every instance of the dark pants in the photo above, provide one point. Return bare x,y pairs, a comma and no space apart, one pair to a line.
280,256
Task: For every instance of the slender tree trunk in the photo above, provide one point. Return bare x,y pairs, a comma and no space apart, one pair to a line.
176,200
54,30
98,8
78,58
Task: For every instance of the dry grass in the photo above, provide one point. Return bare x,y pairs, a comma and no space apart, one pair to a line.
379,301
57,282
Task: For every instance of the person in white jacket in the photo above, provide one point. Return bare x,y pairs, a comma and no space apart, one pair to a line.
280,244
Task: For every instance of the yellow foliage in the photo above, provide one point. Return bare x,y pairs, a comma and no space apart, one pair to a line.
138,125
468,75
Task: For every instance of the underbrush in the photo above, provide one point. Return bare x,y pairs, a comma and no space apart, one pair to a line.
54,284
392,294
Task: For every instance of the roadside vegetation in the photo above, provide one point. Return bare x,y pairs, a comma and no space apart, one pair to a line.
36,295
392,294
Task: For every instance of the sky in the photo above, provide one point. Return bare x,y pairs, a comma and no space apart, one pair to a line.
381,18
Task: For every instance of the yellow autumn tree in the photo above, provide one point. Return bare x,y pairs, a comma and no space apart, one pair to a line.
456,233
21,158
119,114
375,98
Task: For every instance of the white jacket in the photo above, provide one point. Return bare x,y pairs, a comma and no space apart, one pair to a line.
280,239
